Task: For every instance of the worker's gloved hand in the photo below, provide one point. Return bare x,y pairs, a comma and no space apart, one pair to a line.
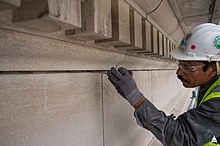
125,85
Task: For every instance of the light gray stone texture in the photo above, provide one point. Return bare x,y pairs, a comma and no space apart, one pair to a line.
167,91
120,127
51,110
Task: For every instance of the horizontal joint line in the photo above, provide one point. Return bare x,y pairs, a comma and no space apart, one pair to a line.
70,71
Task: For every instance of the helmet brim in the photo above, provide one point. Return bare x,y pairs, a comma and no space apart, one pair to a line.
180,54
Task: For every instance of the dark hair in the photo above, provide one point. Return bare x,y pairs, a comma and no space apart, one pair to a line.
207,64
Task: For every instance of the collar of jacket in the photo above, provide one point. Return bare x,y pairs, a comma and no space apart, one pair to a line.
203,91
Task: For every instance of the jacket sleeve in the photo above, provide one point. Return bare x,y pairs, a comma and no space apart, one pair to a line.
184,131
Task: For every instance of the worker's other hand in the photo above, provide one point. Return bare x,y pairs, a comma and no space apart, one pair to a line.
125,85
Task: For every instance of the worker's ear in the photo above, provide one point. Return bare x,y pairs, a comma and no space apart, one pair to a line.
217,68
212,71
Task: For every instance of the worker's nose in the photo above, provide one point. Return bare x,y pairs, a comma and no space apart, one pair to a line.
179,71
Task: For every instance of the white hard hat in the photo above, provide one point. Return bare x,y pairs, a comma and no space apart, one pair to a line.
202,43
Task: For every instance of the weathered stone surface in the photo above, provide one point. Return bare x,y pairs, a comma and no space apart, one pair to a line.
51,109
66,12
34,53
96,21
9,4
120,125
167,91
120,24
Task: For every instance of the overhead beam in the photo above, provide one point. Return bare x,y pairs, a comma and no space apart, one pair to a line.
216,13
120,24
67,13
96,21
135,32
48,16
9,4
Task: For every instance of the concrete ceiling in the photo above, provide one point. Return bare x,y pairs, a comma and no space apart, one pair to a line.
188,13
193,12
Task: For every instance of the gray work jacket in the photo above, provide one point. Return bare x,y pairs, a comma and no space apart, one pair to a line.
195,127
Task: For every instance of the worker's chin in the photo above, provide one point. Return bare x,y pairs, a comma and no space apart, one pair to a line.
187,85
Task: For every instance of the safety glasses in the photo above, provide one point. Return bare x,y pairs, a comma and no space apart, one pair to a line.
187,68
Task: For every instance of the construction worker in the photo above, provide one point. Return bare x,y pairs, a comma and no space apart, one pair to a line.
197,57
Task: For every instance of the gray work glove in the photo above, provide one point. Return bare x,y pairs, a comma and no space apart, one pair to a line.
125,85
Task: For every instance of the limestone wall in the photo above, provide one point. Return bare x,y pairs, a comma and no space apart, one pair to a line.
57,93
53,85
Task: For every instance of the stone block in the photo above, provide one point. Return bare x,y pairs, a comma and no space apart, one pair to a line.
96,21
120,24
48,54
66,12
165,88
51,109
120,127
135,32
9,4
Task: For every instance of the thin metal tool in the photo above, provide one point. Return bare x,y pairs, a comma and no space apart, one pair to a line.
130,72
121,61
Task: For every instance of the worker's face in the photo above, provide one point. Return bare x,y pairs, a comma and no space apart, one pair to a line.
192,75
